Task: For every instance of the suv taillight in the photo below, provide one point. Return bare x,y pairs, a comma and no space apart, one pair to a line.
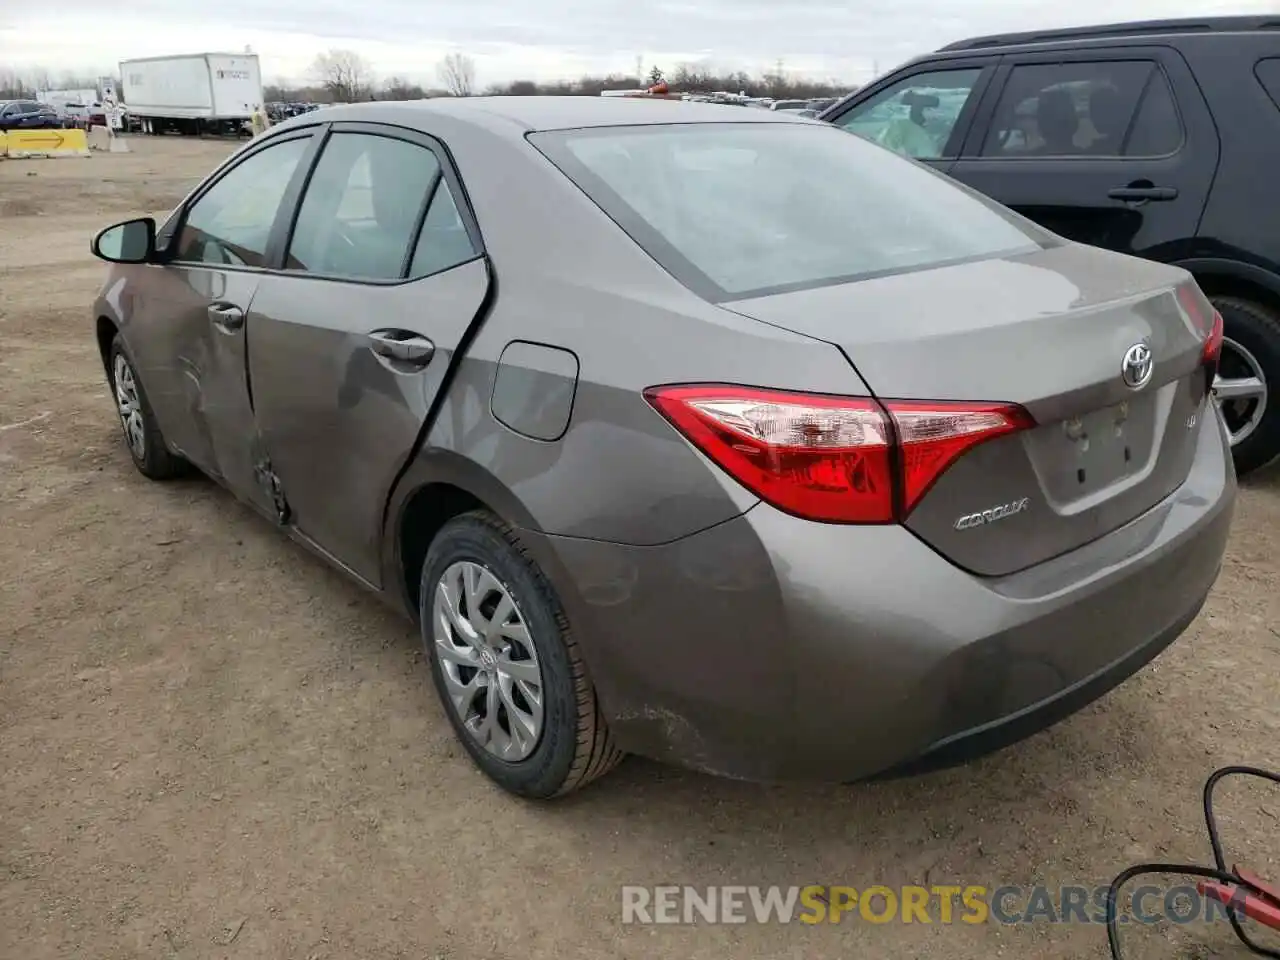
832,459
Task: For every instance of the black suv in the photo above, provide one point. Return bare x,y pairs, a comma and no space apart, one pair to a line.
1159,139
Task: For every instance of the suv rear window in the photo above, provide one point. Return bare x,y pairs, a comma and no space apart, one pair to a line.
743,209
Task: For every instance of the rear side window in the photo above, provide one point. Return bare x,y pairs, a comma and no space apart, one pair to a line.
1107,108
1268,74
364,206
730,210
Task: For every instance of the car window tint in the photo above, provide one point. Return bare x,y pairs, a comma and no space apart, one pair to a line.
916,116
444,241
1268,74
1069,109
361,207
1156,130
231,223
727,209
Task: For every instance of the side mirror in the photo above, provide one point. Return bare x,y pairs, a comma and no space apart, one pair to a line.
133,241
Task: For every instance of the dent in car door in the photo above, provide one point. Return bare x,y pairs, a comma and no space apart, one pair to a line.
207,314
190,328
346,361
1126,157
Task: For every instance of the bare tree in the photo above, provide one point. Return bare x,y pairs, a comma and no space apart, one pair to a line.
458,74
398,88
344,74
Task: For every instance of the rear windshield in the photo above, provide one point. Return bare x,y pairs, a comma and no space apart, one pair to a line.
737,209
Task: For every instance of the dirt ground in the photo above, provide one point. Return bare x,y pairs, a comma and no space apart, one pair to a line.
212,746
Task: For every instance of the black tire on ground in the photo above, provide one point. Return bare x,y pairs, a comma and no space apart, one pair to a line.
1257,329
575,746
157,462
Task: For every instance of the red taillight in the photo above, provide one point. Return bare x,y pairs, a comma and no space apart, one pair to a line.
933,435
1207,321
835,459
1213,345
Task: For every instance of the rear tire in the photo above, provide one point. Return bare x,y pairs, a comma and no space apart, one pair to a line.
1256,329
142,437
572,745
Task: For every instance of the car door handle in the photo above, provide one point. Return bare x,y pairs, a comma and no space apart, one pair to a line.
226,315
1135,193
403,346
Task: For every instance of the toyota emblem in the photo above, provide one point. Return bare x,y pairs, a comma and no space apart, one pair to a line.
1137,367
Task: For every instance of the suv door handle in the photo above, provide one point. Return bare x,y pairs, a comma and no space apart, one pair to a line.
402,346
1142,192
226,315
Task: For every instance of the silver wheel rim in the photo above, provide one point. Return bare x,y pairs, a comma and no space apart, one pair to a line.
489,663
130,407
1240,390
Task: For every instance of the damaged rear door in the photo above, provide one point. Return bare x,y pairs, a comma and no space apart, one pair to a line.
350,344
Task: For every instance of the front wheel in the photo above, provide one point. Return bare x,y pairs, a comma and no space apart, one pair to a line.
141,433
506,664
1250,364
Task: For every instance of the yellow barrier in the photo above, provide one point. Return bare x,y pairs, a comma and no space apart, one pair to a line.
45,143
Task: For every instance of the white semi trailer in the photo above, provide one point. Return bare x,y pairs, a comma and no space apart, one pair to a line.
192,93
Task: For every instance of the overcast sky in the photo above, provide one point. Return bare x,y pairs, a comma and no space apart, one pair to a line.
545,39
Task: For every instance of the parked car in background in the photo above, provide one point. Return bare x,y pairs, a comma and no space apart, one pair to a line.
1157,139
789,105
28,115
852,471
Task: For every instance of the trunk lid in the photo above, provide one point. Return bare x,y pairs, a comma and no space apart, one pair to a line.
1048,330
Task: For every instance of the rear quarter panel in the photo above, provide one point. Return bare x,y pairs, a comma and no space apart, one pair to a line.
569,278
1239,219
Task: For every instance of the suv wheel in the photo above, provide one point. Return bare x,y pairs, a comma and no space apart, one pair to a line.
1250,364
506,665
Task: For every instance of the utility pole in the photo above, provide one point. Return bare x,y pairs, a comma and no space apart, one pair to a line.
640,68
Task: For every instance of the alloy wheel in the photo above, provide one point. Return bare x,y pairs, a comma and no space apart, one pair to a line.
130,406
1240,390
489,663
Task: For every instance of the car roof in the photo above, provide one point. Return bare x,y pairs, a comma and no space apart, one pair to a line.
521,115
1108,32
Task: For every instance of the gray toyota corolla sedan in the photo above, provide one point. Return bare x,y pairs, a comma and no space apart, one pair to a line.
719,436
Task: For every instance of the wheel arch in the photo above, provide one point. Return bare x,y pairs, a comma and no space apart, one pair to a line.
1231,278
438,486
106,330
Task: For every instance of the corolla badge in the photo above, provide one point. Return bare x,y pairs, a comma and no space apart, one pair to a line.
981,517
1137,367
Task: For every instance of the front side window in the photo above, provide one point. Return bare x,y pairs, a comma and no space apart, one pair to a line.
230,225
1108,108
916,116
362,207
728,209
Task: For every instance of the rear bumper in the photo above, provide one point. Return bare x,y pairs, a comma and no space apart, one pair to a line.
989,737
770,648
